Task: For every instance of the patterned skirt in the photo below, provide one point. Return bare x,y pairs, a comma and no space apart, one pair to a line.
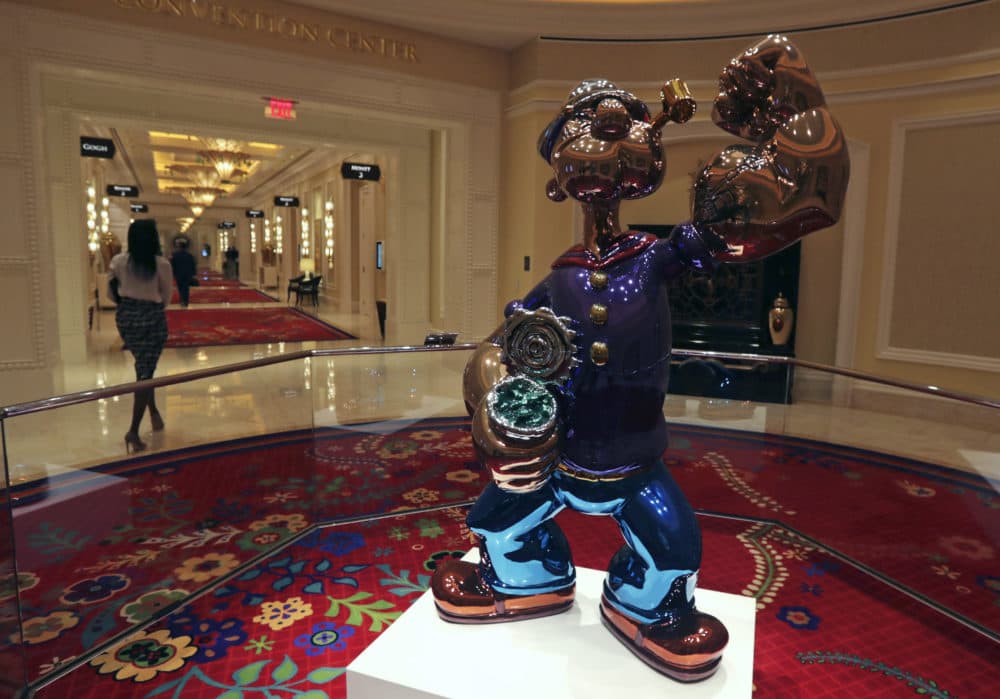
143,327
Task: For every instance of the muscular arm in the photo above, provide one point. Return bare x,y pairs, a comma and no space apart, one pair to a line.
791,180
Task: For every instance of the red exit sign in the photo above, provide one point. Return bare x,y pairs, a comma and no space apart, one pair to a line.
279,109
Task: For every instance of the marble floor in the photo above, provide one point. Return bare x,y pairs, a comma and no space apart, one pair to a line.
346,390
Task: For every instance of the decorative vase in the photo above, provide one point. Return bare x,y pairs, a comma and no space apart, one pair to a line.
780,320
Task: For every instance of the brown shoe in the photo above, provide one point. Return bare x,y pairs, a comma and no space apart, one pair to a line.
463,597
687,650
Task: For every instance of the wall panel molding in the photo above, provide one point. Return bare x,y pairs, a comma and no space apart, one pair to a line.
884,347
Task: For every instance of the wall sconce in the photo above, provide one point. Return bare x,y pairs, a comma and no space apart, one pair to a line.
253,237
304,238
105,221
93,236
267,232
328,234
279,246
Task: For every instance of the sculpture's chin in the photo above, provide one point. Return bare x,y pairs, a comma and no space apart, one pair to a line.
591,188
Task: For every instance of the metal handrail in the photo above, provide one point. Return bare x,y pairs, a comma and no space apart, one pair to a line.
37,406
45,404
841,371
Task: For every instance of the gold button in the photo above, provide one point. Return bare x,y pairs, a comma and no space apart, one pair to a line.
599,353
598,280
599,314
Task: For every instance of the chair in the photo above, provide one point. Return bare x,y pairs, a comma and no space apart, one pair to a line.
309,289
293,288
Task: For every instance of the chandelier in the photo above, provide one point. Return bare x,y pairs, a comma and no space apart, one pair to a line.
202,196
197,210
202,176
227,157
185,224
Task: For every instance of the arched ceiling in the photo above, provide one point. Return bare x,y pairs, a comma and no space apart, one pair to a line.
506,24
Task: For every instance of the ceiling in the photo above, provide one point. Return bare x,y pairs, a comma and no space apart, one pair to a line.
165,166
506,24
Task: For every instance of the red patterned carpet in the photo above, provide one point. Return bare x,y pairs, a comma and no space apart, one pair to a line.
218,281
225,294
244,326
290,622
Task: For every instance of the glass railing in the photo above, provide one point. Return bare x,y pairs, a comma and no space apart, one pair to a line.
898,481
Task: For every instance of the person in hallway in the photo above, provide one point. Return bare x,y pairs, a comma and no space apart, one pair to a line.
140,280
232,265
184,267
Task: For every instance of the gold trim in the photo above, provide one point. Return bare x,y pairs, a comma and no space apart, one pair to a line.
595,479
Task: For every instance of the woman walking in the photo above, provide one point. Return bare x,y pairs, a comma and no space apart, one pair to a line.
141,281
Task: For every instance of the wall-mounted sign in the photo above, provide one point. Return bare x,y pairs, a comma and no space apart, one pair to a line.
227,225
122,190
379,255
235,15
138,208
93,147
360,171
255,213
286,201
279,109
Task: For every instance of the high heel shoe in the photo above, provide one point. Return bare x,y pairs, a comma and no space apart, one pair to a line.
133,443
157,421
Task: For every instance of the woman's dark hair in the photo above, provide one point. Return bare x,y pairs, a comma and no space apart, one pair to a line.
143,247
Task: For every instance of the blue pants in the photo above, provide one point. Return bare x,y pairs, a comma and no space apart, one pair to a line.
651,579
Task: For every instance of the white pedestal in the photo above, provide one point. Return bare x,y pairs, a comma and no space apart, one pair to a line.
570,655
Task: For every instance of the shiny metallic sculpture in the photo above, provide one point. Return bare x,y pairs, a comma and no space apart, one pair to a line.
567,395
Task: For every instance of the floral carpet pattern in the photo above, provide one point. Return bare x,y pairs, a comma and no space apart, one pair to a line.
287,623
224,294
244,326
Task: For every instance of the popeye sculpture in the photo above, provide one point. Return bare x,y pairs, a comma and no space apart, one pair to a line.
578,421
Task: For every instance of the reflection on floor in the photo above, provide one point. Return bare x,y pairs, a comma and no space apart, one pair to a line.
177,522
106,364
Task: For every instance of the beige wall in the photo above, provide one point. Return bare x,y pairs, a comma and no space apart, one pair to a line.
292,28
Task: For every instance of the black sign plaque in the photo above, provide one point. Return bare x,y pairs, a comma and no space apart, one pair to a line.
122,190
255,213
286,201
93,147
227,225
138,208
360,171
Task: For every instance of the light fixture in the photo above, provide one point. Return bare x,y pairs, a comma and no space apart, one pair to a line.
197,210
304,247
278,235
226,156
253,237
105,219
267,232
200,175
328,234
93,238
202,196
